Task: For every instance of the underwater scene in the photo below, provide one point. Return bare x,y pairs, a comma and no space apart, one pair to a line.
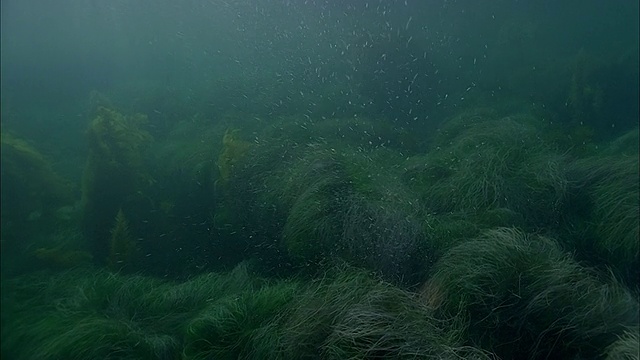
319,179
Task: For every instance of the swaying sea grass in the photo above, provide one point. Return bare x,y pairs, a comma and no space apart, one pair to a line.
525,298
384,238
389,324
627,347
88,314
480,162
91,337
226,328
611,187
314,221
510,293
617,225
336,210
354,316
84,315
71,317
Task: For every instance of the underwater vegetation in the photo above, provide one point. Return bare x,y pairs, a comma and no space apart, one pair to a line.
609,183
233,150
490,242
481,162
320,180
34,198
352,315
122,248
32,188
186,160
476,306
626,347
114,173
523,297
317,201
84,314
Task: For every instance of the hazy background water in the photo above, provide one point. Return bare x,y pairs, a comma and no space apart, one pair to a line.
408,60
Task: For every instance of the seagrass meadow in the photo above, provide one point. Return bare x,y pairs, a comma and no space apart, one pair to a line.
320,180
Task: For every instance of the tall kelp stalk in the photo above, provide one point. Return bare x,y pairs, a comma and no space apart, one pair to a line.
174,220
122,247
523,297
31,188
36,201
113,175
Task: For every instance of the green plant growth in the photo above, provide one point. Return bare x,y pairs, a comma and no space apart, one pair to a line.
30,187
480,163
350,315
233,150
625,145
189,152
609,184
626,347
313,224
523,297
89,314
122,250
615,216
114,173
227,328
321,201
32,196
338,208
